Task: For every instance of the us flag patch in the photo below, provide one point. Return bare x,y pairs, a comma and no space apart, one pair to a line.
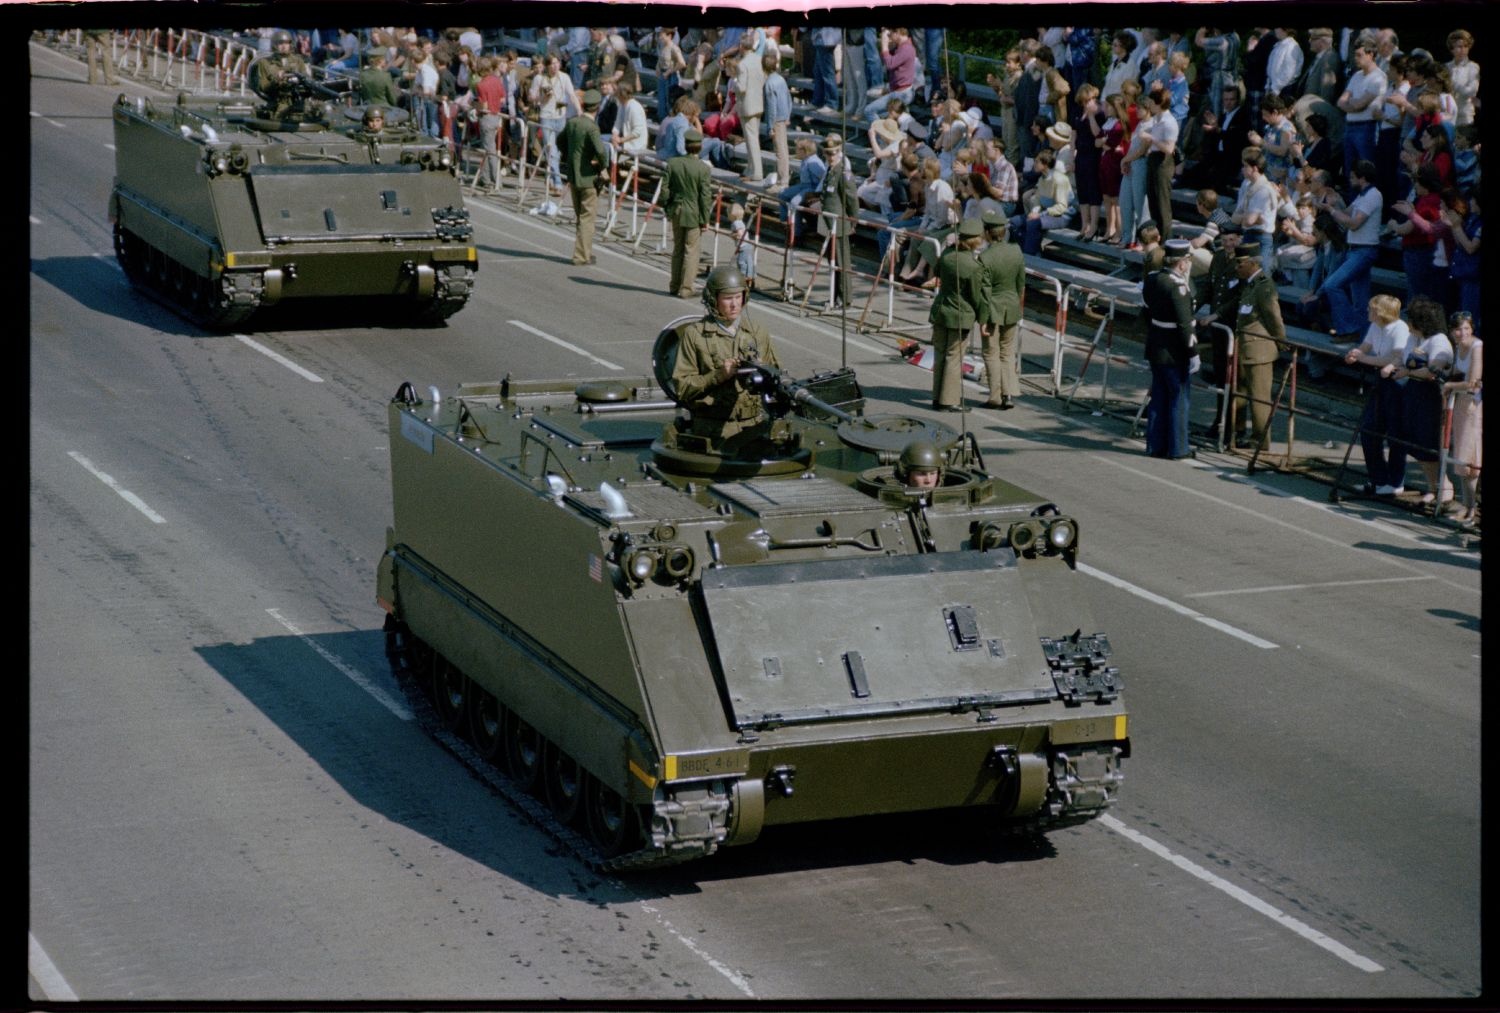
596,568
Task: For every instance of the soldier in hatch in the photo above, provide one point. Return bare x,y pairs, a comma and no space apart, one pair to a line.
920,466
710,353
272,76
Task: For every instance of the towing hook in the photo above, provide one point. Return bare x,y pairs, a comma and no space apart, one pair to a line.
780,779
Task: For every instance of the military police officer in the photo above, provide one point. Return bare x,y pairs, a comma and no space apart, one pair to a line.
1000,315
961,291
1259,334
1169,351
840,208
710,354
584,158
1220,307
685,199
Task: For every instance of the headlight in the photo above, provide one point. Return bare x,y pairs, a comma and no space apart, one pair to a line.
641,565
1061,534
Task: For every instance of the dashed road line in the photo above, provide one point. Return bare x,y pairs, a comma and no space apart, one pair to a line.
54,986
734,978
1305,587
1245,897
565,344
278,357
121,491
361,680
1180,609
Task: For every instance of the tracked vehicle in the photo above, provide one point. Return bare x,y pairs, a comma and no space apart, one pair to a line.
223,206
667,646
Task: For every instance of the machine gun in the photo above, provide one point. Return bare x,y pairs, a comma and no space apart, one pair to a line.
816,395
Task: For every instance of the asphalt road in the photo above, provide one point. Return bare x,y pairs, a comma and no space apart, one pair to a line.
227,800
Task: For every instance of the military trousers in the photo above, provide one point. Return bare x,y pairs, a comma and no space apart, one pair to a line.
1253,384
1001,348
948,364
586,211
684,259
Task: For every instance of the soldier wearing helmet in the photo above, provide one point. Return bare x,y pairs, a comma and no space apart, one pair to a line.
920,465
710,354
272,75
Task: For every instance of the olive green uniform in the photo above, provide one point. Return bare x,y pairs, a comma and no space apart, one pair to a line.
685,198
961,291
267,76
377,87
1258,332
840,209
1004,268
584,157
720,408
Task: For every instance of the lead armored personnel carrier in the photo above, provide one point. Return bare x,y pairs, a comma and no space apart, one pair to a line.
224,206
667,646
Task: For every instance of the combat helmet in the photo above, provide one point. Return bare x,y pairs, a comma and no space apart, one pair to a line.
282,35
919,455
725,279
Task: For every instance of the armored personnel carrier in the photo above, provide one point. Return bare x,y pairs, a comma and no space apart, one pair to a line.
224,206
667,645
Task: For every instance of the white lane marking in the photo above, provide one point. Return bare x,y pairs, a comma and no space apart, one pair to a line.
391,704
278,357
1251,901
1306,587
54,985
566,344
1183,610
734,979
125,494
1272,491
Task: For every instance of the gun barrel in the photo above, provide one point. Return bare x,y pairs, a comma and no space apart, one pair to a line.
799,393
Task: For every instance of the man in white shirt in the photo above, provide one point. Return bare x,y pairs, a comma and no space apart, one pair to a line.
1255,209
1285,63
1360,101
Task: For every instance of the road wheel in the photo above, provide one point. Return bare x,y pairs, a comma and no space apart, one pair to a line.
523,752
450,688
486,723
613,823
563,784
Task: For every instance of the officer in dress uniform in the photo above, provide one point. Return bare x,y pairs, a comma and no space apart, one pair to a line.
1169,350
685,198
1259,335
1000,316
961,291
710,353
840,209
584,159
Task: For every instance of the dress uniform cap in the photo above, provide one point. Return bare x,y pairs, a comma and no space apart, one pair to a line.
1247,251
591,99
970,227
1176,249
992,217
692,136
832,141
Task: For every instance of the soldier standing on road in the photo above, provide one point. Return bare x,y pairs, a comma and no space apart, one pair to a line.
1169,332
839,197
1259,334
710,353
961,291
100,46
584,157
1000,315
685,199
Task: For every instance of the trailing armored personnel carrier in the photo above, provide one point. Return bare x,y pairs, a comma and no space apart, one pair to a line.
667,645
224,206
